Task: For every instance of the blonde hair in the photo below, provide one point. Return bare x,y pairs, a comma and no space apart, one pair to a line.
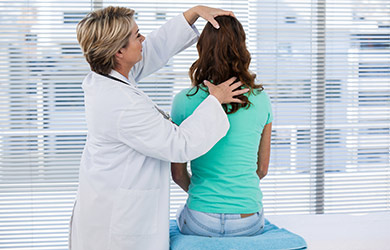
102,33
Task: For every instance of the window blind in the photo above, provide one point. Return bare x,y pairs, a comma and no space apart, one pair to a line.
326,66
324,63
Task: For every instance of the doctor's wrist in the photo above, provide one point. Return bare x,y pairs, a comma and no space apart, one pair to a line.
191,15
219,97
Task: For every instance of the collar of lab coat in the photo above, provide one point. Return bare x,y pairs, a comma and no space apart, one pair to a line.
118,75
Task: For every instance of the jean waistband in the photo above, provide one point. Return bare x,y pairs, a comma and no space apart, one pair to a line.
227,215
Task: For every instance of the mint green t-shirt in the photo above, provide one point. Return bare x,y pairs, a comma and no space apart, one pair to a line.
224,180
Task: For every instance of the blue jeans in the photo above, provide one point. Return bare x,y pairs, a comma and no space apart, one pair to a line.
193,222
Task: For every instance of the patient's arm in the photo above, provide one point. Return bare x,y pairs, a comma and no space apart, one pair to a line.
264,151
180,175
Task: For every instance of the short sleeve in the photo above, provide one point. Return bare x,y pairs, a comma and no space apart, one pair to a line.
269,109
178,113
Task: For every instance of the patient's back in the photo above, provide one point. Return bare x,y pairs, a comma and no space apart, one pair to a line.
224,180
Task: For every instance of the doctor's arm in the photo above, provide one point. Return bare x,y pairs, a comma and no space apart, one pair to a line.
264,151
145,130
180,175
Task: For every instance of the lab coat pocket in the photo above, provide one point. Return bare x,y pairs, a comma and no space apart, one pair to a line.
135,212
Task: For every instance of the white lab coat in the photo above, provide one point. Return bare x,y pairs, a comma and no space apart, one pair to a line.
123,196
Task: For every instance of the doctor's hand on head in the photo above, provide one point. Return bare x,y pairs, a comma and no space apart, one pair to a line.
206,13
226,91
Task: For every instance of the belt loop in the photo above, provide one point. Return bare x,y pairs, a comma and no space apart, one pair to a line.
223,217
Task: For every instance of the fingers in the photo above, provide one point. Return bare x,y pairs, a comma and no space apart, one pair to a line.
235,100
229,85
236,85
210,13
225,13
230,13
232,86
214,23
240,92
207,83
230,81
237,92
220,13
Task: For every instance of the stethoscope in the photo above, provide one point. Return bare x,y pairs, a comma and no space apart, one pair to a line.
165,115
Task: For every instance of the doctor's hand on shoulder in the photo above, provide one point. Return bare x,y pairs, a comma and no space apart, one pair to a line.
226,91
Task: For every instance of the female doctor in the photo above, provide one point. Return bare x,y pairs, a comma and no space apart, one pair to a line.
123,194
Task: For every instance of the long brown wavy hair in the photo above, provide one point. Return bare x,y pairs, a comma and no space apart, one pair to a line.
222,55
